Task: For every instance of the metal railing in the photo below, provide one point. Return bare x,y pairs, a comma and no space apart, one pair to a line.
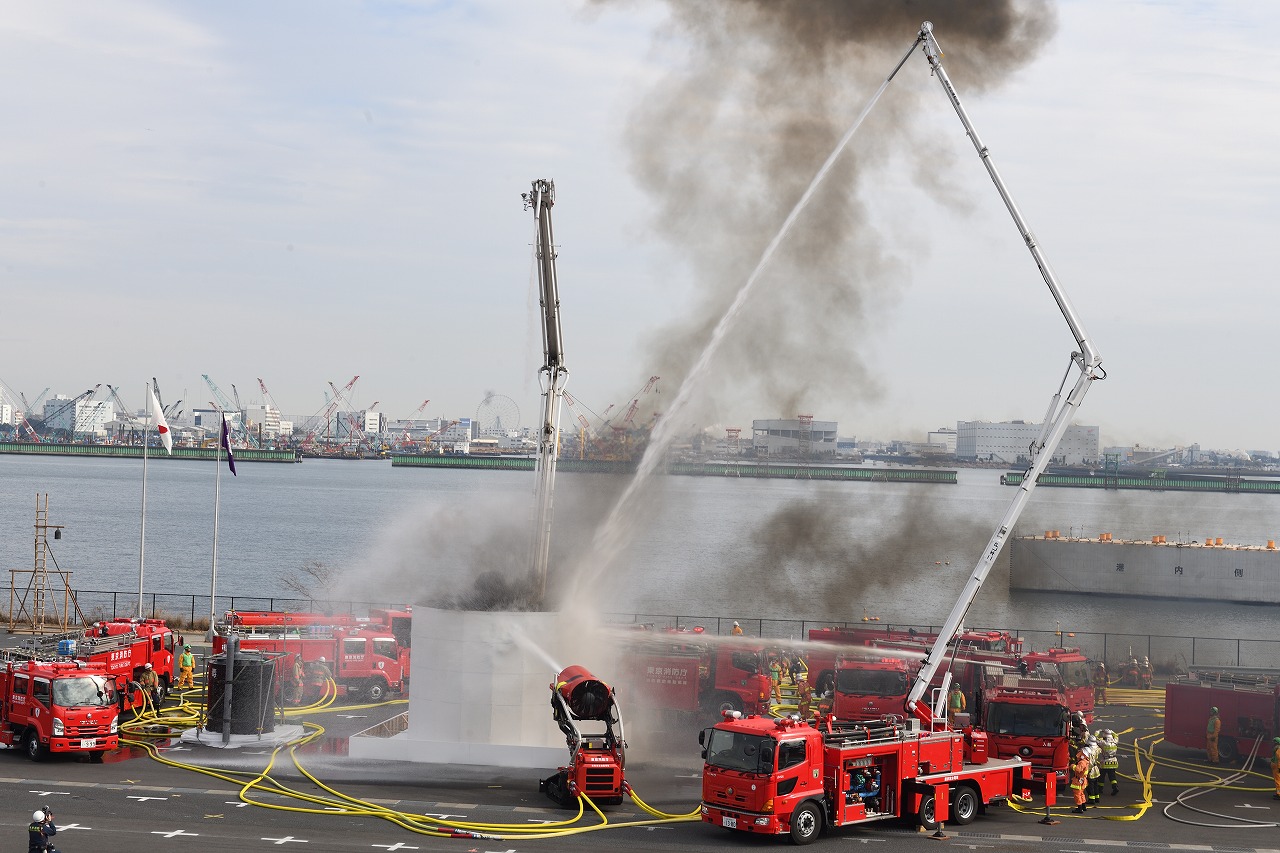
1168,653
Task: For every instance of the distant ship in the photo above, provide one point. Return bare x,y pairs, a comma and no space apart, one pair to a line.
1208,570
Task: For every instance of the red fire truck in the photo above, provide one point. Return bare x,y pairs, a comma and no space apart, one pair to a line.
1248,704
59,706
124,646
363,656
666,674
1028,718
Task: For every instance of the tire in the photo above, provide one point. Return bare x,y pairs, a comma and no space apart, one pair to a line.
1227,749
31,745
728,702
964,805
927,814
376,691
95,757
806,824
164,688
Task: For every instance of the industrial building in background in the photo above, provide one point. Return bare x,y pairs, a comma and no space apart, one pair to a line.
1008,443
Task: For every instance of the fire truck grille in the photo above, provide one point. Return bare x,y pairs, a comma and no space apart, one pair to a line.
737,798
91,730
600,780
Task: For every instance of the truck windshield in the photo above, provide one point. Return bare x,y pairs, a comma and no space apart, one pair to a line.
738,751
1008,718
1074,673
92,690
871,682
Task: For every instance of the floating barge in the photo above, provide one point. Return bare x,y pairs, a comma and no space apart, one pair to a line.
1148,482
124,451
748,470
1209,570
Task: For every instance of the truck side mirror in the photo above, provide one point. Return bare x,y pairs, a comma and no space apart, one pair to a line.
766,755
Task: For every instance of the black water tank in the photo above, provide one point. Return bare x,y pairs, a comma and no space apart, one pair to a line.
252,709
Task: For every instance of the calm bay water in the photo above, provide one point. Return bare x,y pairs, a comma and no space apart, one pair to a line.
705,546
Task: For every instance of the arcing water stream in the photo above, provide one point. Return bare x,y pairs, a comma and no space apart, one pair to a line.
616,530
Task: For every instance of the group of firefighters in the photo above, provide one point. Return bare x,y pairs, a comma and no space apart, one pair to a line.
1095,761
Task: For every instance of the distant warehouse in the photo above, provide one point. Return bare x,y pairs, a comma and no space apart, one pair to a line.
803,437
1010,441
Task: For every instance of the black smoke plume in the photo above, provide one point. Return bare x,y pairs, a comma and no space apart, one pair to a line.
726,144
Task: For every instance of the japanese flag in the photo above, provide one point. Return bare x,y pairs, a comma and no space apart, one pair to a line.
162,426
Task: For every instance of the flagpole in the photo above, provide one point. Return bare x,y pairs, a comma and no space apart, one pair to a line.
142,536
217,485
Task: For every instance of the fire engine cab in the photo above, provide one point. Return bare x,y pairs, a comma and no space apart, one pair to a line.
59,706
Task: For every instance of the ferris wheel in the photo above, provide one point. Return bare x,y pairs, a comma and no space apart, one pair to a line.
497,414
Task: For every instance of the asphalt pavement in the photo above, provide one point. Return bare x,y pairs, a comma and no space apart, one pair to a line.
135,802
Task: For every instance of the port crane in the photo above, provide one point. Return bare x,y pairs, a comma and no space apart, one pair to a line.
27,409
551,377
408,425
326,413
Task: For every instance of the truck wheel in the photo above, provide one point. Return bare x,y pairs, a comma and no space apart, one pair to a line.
31,745
964,805
164,688
927,814
806,824
377,691
95,757
729,702
1227,749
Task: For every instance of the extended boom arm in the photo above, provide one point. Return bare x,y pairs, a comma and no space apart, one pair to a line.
1057,419
552,377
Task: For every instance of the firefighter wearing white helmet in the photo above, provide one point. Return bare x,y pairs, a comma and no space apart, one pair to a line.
737,630
149,681
1093,787
1109,763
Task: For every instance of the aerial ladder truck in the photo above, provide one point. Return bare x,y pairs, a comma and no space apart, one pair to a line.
784,776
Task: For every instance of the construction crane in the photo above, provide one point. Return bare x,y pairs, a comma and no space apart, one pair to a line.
27,408
635,404
70,404
224,405
408,425
426,443
327,412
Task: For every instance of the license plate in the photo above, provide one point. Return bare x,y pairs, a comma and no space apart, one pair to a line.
88,743
730,823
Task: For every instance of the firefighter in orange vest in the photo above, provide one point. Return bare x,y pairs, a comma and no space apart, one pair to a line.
1080,779
1275,766
737,630
1100,684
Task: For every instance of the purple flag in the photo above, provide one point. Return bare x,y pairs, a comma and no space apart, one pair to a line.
226,445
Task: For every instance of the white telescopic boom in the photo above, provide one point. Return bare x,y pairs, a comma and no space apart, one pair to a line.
1057,419
551,376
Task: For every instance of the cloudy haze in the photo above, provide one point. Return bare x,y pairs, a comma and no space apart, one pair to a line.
305,192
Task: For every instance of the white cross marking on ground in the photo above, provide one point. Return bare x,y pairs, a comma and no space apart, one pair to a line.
144,799
288,838
174,833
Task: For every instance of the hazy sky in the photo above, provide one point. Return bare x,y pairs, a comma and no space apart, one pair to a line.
304,192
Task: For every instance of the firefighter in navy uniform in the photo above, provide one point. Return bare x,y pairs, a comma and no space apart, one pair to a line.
40,831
